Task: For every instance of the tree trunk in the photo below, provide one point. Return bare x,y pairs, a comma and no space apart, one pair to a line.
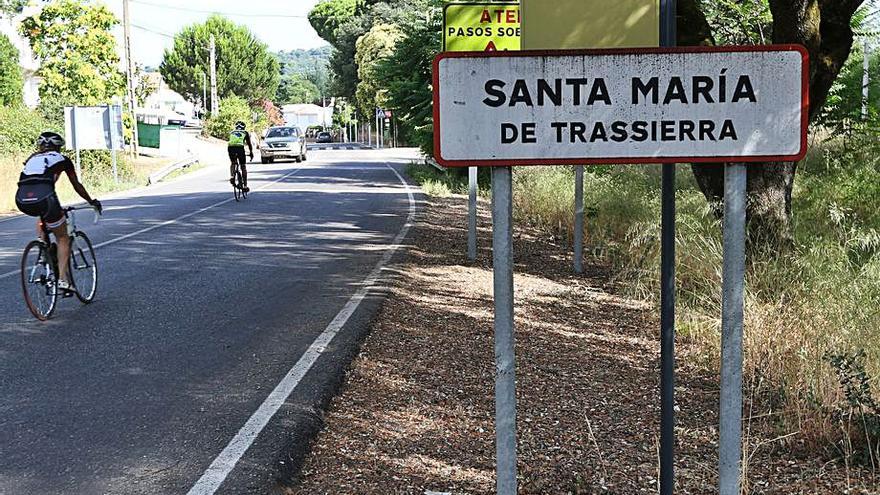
823,27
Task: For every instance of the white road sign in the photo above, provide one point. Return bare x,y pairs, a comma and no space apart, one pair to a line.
621,106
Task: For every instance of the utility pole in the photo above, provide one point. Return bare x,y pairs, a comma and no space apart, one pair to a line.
865,80
204,95
215,104
130,70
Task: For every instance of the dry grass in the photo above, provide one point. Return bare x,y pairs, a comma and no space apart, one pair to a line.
97,182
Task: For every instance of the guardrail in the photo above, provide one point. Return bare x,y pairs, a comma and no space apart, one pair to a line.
182,164
432,162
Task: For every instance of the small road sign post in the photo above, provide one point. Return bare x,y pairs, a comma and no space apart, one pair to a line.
667,33
733,274
649,105
479,26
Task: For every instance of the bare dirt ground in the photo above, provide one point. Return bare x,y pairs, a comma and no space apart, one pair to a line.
416,412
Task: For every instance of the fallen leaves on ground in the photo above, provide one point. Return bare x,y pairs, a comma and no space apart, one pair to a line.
416,412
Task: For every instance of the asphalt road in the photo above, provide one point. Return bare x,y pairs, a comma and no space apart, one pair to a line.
199,315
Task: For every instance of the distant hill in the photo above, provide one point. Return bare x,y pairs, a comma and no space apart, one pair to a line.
304,62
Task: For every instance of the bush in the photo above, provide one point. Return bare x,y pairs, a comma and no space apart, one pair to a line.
19,128
232,109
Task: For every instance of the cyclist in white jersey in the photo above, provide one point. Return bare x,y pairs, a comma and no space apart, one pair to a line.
36,195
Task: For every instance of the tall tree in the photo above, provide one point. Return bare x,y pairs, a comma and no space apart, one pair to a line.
297,89
11,79
407,75
328,15
245,67
372,48
79,62
824,27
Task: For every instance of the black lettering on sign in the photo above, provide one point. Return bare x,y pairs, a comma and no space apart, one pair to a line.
520,94
496,96
528,133
599,93
576,84
509,133
703,87
554,94
640,131
728,131
599,133
744,90
618,131
686,128
675,91
560,128
579,131
650,89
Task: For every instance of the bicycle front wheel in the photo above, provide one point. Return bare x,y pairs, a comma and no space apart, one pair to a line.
83,268
236,187
38,280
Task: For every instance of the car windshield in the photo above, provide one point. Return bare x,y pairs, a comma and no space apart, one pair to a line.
281,132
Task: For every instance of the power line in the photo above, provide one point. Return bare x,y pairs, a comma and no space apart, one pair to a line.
151,30
230,14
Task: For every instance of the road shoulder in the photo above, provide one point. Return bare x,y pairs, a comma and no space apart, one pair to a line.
416,410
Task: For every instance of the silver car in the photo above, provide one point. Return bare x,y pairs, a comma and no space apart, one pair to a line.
283,142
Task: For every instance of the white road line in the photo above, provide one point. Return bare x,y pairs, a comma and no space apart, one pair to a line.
171,222
229,457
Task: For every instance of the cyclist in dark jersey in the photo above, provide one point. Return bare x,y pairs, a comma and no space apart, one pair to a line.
238,138
36,195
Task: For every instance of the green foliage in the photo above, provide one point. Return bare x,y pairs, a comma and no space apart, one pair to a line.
11,79
373,47
313,65
297,89
858,414
12,7
329,15
19,128
406,75
79,63
735,22
245,67
232,109
144,87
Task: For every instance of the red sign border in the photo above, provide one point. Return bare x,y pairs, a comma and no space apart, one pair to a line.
805,106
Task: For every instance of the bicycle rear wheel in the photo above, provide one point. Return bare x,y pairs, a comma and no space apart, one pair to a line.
236,187
83,268
38,280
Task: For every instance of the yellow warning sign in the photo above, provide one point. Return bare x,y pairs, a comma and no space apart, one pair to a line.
572,24
477,27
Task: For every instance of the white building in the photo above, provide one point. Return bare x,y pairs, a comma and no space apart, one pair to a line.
304,115
164,104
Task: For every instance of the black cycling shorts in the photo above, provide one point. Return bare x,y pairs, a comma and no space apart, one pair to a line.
237,155
48,209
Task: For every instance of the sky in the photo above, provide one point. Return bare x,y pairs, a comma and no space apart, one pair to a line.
281,24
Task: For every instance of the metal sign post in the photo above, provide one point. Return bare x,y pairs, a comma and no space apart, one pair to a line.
505,373
472,213
733,273
112,121
579,219
667,291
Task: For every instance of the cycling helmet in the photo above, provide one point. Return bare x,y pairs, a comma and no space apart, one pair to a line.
239,126
50,140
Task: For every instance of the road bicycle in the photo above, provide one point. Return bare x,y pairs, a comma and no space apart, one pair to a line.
238,183
39,270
